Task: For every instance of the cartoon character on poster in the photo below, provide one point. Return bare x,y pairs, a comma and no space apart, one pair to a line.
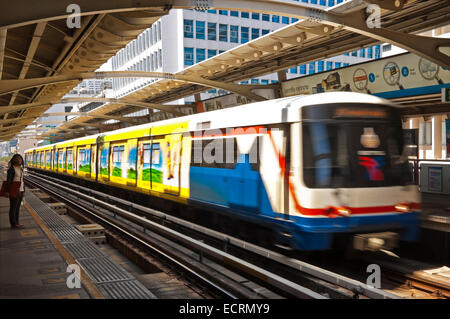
173,147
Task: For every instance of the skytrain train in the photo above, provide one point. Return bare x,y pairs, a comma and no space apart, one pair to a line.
309,168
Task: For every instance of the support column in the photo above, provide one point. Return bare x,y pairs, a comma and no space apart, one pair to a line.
281,78
436,137
199,103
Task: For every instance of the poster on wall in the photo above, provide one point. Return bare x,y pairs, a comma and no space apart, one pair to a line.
390,77
447,134
435,179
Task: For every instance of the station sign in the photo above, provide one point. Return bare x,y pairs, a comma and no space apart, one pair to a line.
396,76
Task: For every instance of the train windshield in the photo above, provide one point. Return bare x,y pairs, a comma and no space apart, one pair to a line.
354,154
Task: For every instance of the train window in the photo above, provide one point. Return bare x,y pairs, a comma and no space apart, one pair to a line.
104,160
352,155
70,159
60,159
215,153
118,154
146,158
48,158
84,160
156,158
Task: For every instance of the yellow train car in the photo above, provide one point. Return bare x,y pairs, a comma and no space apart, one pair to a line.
147,158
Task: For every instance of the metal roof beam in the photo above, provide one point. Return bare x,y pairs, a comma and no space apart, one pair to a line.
9,86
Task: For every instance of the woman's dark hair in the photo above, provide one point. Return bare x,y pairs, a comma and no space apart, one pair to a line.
11,161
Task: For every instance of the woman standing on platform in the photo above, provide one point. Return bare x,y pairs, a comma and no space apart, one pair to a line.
15,189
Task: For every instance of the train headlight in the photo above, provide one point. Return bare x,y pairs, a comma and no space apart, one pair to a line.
344,211
402,208
338,211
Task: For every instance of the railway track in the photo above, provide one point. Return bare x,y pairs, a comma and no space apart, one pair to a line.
218,260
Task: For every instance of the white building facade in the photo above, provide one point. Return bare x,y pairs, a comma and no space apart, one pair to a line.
186,37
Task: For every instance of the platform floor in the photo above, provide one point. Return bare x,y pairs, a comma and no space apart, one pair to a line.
31,265
436,212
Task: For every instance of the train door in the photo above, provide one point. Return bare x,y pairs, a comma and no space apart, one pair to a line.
70,160
103,162
93,161
171,162
131,162
83,161
154,170
60,160
144,164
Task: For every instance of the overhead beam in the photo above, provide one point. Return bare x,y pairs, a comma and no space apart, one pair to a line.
9,86
81,114
20,12
145,105
2,49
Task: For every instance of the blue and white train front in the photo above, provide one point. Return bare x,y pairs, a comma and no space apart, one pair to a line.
350,176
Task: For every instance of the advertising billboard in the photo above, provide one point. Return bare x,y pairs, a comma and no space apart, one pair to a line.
396,76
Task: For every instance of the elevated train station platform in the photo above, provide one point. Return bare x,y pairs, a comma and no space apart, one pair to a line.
34,259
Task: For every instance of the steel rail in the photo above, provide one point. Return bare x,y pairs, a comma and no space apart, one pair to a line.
255,271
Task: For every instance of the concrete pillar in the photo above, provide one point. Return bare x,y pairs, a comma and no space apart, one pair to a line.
414,123
199,103
436,139
281,75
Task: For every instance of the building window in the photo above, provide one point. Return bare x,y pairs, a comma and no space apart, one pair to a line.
387,47
337,65
425,132
377,52
200,55
293,70
285,20
255,33
255,16
362,53
266,17
188,56
234,13
303,69
329,65
370,52
211,53
275,18
264,31
188,28
264,81
294,20
355,53
212,11
212,31
245,15
320,65
345,64
330,3
223,32
160,58
254,81
312,68
200,30
244,35
234,33
223,12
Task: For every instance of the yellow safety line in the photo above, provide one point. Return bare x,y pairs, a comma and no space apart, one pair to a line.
85,280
